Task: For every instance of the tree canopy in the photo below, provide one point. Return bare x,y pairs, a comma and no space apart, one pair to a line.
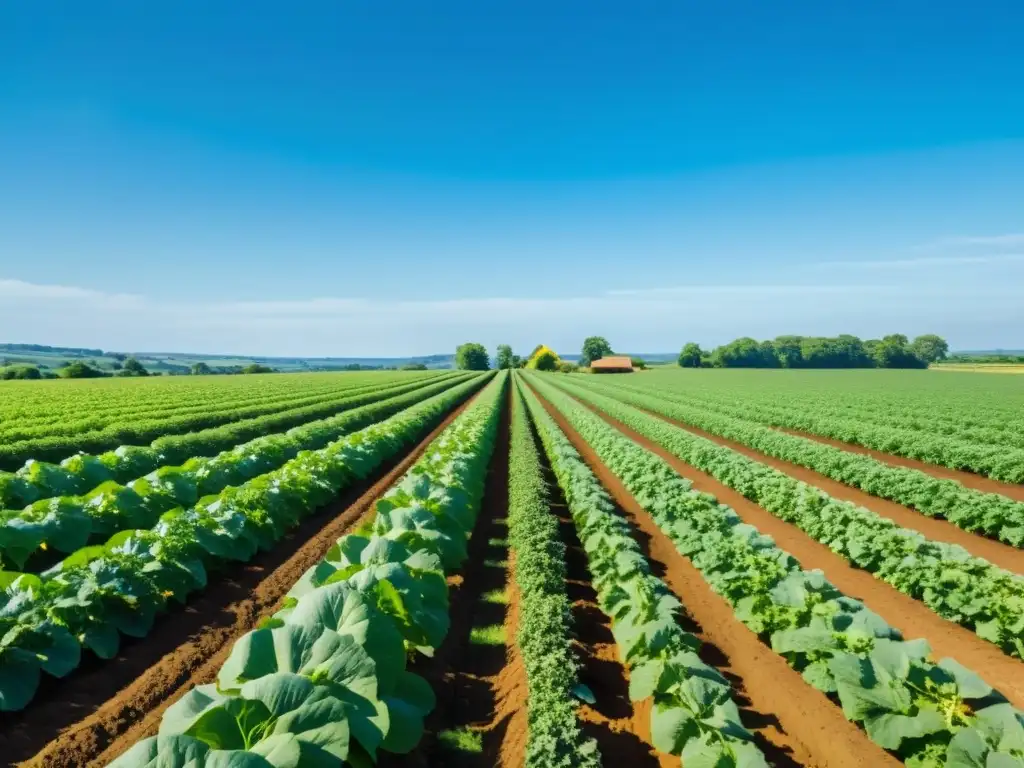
472,357
80,371
132,367
843,351
691,355
594,348
543,359
201,369
257,368
930,348
505,357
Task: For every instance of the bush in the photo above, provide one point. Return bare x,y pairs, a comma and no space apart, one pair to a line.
132,367
80,371
638,363
567,367
21,372
413,367
257,368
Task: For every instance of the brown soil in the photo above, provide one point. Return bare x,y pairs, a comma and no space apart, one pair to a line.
968,479
620,727
794,724
105,707
479,687
936,529
914,619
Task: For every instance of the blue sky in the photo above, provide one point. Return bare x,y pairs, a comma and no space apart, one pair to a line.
394,178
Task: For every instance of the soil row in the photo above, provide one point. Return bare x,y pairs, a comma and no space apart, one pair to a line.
105,707
911,617
934,528
794,724
966,479
480,686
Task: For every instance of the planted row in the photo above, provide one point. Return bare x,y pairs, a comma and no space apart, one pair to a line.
926,713
98,416
1000,462
324,681
949,580
976,511
66,523
176,439
91,598
81,473
544,630
694,713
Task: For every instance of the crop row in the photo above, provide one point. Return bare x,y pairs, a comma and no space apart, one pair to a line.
91,418
999,462
100,592
83,472
67,523
694,714
39,401
544,629
976,511
998,419
324,681
163,401
173,437
927,713
950,581
919,414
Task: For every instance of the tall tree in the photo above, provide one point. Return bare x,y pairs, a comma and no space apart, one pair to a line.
930,347
472,357
133,367
691,355
505,356
594,348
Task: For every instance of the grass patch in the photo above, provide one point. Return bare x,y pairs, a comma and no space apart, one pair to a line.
492,635
498,543
491,563
461,740
498,596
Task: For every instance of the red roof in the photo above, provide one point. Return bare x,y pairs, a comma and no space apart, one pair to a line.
613,362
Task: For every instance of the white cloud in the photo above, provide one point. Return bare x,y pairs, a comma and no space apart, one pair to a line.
638,320
1012,239
928,261
19,289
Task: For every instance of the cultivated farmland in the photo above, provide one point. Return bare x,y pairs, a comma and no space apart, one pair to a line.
711,568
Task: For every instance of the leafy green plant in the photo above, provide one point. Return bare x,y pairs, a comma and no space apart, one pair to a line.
694,714
945,577
324,681
103,591
67,522
975,511
544,628
929,714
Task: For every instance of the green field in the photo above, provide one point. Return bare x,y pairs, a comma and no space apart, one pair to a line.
723,567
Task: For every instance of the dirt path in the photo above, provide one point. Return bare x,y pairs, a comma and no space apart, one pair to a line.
480,687
936,529
914,619
968,479
794,723
621,729
106,706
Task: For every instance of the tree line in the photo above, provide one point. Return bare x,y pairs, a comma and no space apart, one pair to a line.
843,351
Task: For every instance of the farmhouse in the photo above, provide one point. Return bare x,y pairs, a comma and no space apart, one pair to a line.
619,364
